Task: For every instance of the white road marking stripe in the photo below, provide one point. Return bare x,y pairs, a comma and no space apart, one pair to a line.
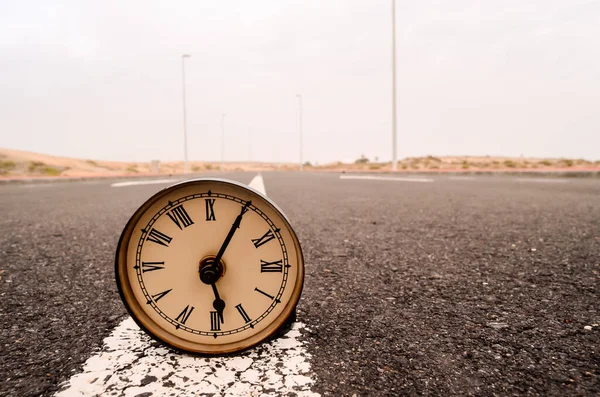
132,364
37,185
386,178
541,180
144,182
462,178
258,184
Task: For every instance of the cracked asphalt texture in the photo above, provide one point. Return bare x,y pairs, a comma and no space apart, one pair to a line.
457,287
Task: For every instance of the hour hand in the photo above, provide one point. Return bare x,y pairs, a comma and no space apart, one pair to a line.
218,303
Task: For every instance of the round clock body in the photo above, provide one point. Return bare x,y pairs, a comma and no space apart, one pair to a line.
209,266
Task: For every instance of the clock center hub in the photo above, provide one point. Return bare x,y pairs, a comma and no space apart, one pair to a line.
210,271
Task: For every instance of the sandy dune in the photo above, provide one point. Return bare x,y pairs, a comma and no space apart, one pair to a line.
20,163
16,163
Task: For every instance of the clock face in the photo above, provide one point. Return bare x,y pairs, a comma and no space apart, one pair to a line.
209,266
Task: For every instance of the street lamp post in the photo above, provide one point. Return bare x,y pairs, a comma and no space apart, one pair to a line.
299,96
222,141
394,154
249,144
185,151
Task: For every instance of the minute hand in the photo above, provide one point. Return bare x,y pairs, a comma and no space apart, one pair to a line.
234,227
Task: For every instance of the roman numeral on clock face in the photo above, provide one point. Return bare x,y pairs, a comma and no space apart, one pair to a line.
268,236
159,238
184,315
151,266
180,217
271,267
215,321
210,212
265,294
160,295
243,313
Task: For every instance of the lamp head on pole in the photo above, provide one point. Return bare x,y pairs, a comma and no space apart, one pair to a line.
186,56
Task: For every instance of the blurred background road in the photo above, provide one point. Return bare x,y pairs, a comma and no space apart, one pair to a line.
438,285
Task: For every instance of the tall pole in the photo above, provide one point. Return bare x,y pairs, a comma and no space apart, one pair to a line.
249,145
299,96
185,151
394,154
223,141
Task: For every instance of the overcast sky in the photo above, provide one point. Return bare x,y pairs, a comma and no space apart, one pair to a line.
102,79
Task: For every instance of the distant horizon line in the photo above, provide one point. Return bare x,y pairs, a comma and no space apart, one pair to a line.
345,161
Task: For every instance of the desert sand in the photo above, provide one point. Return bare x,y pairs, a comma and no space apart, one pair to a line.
19,164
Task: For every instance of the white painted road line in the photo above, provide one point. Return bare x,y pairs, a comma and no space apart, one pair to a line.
386,178
462,178
132,364
258,184
541,180
144,182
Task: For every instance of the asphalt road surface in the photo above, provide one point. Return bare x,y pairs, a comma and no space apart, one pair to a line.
439,286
